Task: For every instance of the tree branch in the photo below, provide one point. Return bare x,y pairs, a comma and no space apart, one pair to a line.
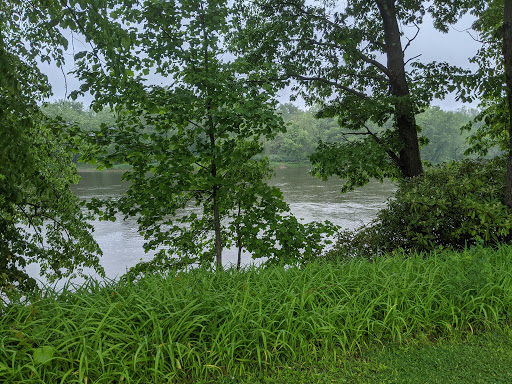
411,59
360,54
329,82
390,153
409,41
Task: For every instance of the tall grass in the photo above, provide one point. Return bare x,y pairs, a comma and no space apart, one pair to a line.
203,324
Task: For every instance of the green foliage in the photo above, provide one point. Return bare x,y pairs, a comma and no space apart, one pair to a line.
303,131
334,55
212,326
190,142
74,112
487,83
440,130
40,219
356,162
455,205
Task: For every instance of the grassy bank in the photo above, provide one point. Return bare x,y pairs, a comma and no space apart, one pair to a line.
262,325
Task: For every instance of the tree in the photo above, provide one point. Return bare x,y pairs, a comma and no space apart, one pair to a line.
205,125
40,219
493,81
334,52
442,129
75,113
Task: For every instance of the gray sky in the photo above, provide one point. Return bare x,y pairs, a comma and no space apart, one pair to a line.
455,47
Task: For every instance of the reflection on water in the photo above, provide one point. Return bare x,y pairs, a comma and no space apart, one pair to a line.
310,199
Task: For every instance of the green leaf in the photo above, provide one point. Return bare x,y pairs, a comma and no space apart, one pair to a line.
43,355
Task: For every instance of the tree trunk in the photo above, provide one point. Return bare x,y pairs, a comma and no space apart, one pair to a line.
218,234
410,160
239,240
216,214
507,56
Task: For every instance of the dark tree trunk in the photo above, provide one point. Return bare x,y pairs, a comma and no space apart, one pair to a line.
218,234
216,214
239,240
410,160
507,56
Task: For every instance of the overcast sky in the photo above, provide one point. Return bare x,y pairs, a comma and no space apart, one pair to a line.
455,47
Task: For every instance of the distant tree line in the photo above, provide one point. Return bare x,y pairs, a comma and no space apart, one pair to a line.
442,132
442,137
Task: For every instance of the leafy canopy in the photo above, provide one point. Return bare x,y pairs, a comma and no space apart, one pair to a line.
352,59
195,187
40,218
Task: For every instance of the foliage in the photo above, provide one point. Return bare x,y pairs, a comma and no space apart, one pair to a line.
487,83
440,131
40,219
493,82
204,325
335,54
74,112
303,131
455,205
192,141
440,128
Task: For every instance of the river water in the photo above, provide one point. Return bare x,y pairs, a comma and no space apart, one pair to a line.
309,198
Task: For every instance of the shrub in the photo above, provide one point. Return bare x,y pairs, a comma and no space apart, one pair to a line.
453,205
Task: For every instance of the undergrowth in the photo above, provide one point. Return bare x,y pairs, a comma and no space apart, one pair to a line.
206,325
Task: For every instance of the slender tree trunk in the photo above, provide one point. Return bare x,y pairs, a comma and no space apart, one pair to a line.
211,134
216,214
410,160
239,240
507,56
218,233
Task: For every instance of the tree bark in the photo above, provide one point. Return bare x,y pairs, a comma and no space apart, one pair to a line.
410,160
507,56
216,214
239,240
218,234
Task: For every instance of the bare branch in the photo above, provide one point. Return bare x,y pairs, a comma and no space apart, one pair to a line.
329,82
475,39
194,124
409,41
200,165
411,59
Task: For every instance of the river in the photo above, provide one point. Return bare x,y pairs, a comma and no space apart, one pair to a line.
309,198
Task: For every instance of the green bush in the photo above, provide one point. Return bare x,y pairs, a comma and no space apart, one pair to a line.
453,205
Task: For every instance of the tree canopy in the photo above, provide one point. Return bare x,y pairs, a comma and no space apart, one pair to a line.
335,52
191,140
40,219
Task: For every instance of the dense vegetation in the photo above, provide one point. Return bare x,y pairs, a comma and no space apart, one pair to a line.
204,325
456,205
198,137
443,131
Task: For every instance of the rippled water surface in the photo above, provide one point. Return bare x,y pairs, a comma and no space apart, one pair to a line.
309,198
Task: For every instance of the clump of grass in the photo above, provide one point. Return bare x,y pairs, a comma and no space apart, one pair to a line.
201,324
